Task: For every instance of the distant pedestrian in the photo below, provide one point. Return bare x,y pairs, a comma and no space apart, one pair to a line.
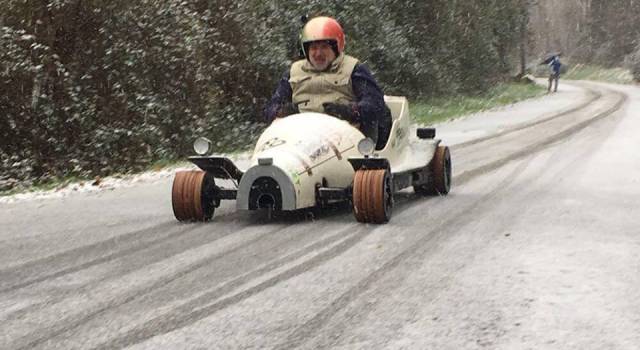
554,75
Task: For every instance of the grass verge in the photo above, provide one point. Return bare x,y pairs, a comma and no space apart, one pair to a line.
433,110
596,73
59,183
45,186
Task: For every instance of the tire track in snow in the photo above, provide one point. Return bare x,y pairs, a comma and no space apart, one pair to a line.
315,325
202,307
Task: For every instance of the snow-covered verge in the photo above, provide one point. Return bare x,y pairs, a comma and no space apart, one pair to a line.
111,182
97,185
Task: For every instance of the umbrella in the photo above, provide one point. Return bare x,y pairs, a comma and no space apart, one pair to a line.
549,57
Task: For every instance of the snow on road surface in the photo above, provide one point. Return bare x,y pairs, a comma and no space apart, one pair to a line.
483,124
536,247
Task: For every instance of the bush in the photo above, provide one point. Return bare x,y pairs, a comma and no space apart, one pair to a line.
90,88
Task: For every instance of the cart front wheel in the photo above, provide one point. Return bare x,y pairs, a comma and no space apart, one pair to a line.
192,196
372,196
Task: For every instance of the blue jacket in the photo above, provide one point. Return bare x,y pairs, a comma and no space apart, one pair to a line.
555,65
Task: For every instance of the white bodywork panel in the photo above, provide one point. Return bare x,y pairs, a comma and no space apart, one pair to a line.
309,147
312,147
403,150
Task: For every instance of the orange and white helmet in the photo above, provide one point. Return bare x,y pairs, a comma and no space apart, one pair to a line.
322,29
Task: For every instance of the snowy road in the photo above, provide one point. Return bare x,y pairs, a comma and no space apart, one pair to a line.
536,247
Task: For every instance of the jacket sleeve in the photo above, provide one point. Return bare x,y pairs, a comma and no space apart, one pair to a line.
281,96
369,95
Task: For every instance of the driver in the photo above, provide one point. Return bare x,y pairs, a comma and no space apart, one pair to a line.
328,81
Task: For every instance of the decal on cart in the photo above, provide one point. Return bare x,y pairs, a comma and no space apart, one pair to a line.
272,143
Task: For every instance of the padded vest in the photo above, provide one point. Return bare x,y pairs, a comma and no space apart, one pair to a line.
311,88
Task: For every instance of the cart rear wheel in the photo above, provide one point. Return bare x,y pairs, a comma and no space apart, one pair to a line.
372,196
192,196
440,167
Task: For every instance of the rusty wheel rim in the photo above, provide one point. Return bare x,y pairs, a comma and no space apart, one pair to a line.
358,201
187,196
442,170
366,194
382,196
372,196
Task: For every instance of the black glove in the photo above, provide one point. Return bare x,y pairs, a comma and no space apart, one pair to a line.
286,109
345,112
